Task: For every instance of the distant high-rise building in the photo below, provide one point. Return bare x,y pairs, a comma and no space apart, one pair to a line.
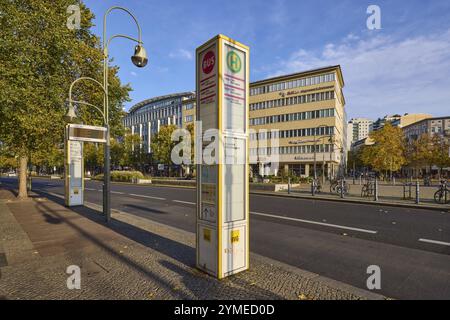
358,129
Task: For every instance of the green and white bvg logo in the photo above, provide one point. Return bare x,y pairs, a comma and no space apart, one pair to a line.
234,62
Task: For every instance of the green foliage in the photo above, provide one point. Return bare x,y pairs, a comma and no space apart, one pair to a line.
39,59
388,152
440,152
420,152
7,159
133,154
122,176
162,144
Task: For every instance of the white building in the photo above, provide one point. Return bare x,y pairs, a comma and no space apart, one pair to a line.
358,129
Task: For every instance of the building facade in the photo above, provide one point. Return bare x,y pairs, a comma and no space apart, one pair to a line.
304,112
147,117
188,111
432,127
301,112
400,121
359,128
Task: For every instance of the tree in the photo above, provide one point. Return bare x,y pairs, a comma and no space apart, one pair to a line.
162,145
355,158
387,154
7,159
39,59
93,157
53,157
133,155
420,152
440,152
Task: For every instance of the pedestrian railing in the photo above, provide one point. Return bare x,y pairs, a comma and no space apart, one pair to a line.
376,190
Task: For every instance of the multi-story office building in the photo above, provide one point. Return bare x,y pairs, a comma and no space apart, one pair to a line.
146,117
301,111
305,109
431,127
359,128
188,111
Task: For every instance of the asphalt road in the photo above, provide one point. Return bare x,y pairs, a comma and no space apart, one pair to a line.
336,240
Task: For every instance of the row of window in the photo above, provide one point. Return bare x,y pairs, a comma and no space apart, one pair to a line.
189,106
293,84
307,98
154,124
306,115
136,118
294,133
301,149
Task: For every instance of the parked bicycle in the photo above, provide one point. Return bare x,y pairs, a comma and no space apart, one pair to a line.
368,189
317,186
442,196
335,186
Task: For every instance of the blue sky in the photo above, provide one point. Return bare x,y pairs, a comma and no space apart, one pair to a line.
404,67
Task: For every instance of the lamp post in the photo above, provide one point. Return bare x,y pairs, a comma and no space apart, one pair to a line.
315,150
140,60
323,153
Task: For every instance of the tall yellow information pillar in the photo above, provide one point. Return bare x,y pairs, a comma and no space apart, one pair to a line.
222,83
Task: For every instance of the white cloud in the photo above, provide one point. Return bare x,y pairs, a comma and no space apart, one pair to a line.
134,74
385,75
182,54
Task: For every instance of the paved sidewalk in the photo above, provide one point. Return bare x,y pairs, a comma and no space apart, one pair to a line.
131,258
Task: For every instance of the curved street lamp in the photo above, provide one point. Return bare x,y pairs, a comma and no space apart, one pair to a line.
140,60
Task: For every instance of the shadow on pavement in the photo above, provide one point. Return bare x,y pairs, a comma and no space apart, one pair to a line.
205,287
133,206
173,249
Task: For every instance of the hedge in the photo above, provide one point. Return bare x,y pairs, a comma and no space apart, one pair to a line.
122,176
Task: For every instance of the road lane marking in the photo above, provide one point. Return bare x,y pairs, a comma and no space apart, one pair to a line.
117,192
184,202
149,197
314,222
90,189
435,242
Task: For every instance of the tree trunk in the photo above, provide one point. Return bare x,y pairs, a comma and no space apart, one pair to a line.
23,163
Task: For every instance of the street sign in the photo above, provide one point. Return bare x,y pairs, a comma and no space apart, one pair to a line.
222,84
80,132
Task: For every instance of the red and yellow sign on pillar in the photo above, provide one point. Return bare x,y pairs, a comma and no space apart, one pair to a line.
222,84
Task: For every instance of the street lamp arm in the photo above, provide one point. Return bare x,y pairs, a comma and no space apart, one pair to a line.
132,16
84,78
121,36
90,105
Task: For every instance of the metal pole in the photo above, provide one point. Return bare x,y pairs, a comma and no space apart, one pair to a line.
342,188
313,191
106,162
376,190
289,185
323,165
107,158
315,167
417,192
